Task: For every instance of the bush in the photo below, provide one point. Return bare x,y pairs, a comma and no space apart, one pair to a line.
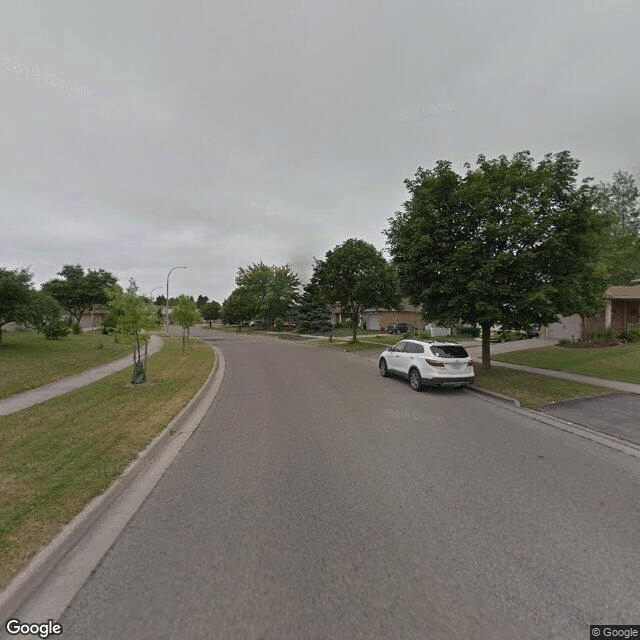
348,323
76,329
279,324
472,332
424,335
633,335
600,337
565,341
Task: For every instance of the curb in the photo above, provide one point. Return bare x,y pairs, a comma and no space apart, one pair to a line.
493,394
176,433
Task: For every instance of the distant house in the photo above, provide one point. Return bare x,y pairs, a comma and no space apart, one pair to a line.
620,313
380,319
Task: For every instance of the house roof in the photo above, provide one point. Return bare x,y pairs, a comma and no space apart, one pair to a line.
620,292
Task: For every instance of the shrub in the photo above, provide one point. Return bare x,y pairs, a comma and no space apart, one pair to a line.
600,337
348,323
565,341
633,335
76,329
473,332
279,324
424,335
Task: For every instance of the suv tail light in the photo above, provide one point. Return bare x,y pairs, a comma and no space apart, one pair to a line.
434,363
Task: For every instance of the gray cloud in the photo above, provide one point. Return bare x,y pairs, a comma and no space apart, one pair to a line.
218,134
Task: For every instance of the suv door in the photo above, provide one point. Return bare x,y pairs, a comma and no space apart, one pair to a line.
395,359
411,355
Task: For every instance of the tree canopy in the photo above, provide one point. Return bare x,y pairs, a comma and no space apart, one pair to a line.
271,291
313,313
237,307
211,311
618,200
16,290
355,276
76,290
509,243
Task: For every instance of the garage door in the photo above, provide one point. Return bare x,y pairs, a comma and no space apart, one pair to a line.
374,322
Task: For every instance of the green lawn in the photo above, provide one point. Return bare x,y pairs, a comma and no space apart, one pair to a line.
27,360
613,363
56,456
531,389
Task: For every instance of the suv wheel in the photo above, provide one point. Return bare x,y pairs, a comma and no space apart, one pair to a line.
415,380
384,370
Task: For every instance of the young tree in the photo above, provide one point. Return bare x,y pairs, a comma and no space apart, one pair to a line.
211,311
618,200
186,314
272,291
237,307
133,321
76,290
355,276
15,295
508,243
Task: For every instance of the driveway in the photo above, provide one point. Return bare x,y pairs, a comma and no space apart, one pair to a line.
614,413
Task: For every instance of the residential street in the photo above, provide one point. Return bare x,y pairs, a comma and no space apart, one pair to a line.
319,500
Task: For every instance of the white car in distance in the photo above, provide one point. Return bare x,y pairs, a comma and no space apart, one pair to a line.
428,363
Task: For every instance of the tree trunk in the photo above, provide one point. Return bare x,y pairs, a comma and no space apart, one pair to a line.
486,345
354,326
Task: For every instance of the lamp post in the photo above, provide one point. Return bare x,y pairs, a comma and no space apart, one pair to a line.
167,314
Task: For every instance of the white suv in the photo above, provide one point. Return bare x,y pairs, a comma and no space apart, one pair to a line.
428,362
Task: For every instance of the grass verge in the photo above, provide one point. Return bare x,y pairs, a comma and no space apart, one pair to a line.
531,389
613,363
28,361
56,456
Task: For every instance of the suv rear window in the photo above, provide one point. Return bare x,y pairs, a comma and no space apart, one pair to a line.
449,351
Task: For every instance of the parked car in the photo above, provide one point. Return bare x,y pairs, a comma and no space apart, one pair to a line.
428,363
390,328
502,335
401,327
533,331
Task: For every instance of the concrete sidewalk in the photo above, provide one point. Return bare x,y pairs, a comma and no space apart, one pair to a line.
628,387
21,401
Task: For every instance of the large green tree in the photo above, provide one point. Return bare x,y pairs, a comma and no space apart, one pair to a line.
238,307
271,290
508,243
313,313
16,292
618,200
76,290
211,311
355,276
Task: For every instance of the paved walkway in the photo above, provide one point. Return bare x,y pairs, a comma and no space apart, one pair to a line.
21,401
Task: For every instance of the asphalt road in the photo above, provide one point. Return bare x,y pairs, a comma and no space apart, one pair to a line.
319,500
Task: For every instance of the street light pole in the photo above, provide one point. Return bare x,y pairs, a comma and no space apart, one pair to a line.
166,320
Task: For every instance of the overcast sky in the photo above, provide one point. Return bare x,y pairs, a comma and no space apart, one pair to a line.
140,135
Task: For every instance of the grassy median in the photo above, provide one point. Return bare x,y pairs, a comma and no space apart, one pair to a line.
56,456
531,389
27,360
